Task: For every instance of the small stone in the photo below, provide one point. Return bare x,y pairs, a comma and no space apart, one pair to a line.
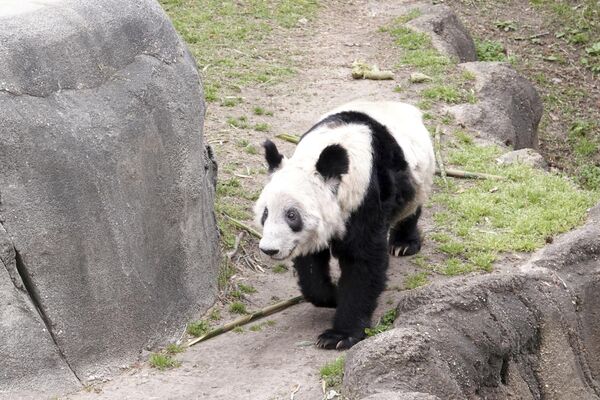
524,156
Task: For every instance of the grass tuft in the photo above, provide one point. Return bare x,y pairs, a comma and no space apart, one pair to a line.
163,361
332,373
280,268
237,307
416,280
198,328
385,323
248,289
174,348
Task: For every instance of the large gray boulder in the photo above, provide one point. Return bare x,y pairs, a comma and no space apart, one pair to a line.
508,108
529,334
448,34
106,188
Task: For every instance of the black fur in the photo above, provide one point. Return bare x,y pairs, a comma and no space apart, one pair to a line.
363,252
314,279
295,224
333,162
405,239
272,155
264,216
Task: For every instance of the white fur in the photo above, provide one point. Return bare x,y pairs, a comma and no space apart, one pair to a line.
405,123
324,213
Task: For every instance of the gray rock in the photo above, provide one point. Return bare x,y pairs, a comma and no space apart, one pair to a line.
106,187
526,156
508,109
37,361
528,334
448,35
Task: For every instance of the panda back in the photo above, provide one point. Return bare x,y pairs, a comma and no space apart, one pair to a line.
405,124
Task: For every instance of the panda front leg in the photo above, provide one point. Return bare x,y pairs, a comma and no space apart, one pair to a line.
314,279
362,281
405,239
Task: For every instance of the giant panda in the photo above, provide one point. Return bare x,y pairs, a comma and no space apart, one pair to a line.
353,190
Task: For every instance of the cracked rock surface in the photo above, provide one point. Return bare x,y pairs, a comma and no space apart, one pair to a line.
530,334
108,239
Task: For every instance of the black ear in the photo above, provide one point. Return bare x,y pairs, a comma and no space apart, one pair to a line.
333,162
272,155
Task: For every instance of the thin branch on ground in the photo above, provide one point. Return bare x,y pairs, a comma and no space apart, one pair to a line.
437,140
266,311
236,246
242,225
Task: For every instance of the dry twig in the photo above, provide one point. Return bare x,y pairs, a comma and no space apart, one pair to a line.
236,245
272,309
242,225
437,140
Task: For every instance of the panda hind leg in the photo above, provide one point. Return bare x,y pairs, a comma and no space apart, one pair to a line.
405,238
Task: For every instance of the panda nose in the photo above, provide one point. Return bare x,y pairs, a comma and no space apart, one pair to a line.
269,252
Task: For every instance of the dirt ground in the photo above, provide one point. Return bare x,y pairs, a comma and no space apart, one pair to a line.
279,361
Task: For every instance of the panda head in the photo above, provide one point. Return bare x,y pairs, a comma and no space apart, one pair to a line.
298,208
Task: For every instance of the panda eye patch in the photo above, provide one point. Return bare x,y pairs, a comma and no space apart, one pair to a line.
294,219
264,216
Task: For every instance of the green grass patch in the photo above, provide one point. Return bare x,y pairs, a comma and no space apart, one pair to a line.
280,268
226,270
490,50
262,127
385,323
260,326
417,49
198,328
231,101
228,37
163,361
248,289
409,16
262,111
215,315
237,307
414,281
239,122
332,373
488,217
174,348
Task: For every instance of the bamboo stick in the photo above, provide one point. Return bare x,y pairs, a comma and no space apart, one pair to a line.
266,311
288,138
457,173
437,140
242,225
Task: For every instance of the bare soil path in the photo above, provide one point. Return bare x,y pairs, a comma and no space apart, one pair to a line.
279,359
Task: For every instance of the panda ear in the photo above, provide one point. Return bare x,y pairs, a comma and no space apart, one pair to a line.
333,162
272,155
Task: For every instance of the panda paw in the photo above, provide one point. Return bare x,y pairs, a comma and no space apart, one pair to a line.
408,248
332,339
